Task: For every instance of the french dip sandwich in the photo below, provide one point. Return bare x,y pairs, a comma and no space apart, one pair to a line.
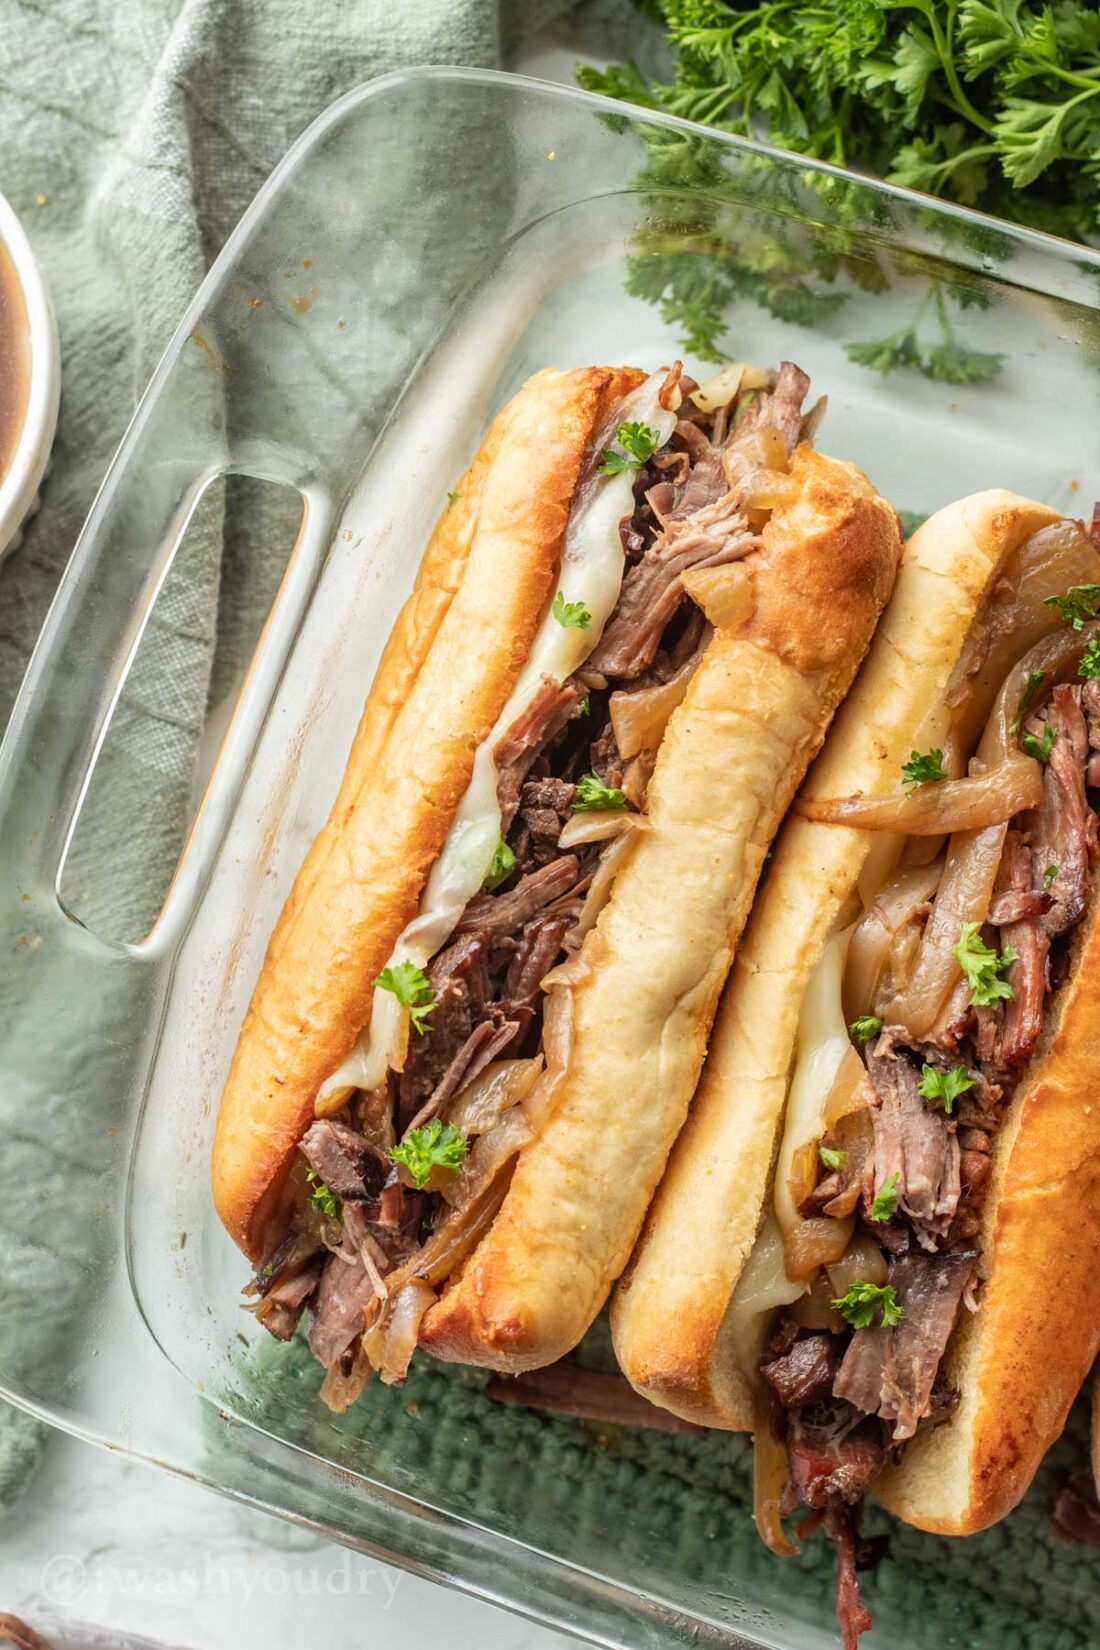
485,1007
878,1237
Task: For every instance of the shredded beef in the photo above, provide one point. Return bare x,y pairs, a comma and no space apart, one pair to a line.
459,978
345,1160
780,408
500,915
566,1389
286,1299
545,805
912,1140
1021,929
605,759
834,1454
487,1040
1065,833
529,734
534,957
804,1374
345,1292
890,1371
842,1528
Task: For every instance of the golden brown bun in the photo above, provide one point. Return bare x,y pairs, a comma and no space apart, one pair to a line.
755,713
443,679
669,1318
1021,1359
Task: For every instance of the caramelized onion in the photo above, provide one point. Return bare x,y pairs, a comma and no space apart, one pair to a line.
403,1330
486,1157
816,1242
849,1092
863,1262
726,385
814,1310
724,593
854,1135
770,1471
897,904
1014,616
557,1036
640,718
599,890
600,825
938,809
480,1106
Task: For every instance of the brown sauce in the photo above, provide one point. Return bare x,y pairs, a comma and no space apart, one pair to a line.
14,362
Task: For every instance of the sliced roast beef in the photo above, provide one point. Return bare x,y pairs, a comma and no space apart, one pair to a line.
1065,834
834,1454
804,1373
501,915
345,1160
1022,929
345,1292
488,1039
535,956
530,733
284,1303
780,408
842,1528
545,805
890,1371
459,978
912,1141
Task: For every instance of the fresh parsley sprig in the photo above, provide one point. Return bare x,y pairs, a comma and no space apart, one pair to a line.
638,441
593,795
830,1157
323,1197
923,769
1040,749
437,1145
886,1198
1078,605
1035,680
571,615
1089,666
501,866
866,1027
945,1086
859,1304
412,988
983,968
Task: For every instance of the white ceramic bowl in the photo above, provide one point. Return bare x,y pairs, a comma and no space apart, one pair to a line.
19,483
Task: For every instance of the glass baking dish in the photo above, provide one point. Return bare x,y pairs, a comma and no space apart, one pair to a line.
435,237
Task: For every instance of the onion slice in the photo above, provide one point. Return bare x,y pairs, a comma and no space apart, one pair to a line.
481,1105
599,891
403,1329
600,825
641,716
939,809
771,1470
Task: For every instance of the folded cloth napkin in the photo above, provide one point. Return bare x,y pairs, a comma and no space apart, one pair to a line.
130,143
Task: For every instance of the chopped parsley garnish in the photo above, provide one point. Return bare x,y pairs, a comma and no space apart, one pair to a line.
858,1305
1077,605
831,1158
922,770
1050,877
886,1198
638,442
571,615
323,1197
866,1027
945,1085
585,706
1040,749
1089,667
453,498
411,987
593,794
501,866
983,968
437,1145
1035,679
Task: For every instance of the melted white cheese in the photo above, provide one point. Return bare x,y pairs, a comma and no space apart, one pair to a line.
591,572
822,1044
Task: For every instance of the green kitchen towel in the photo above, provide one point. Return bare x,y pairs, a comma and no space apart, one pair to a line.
131,140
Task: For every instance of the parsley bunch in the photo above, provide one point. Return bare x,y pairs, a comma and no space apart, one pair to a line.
993,103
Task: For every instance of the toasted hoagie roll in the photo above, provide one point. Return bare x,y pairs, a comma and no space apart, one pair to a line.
485,1006
893,1150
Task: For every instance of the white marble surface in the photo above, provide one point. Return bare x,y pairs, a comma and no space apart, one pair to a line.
119,1546
107,1542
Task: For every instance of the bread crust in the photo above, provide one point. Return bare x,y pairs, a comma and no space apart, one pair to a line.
1021,1359
754,715
443,679
705,1217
